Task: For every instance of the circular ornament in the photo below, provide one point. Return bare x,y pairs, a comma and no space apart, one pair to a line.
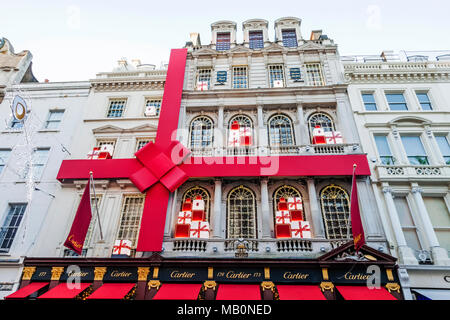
19,108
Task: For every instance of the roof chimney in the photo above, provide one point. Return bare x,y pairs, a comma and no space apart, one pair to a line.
195,39
315,35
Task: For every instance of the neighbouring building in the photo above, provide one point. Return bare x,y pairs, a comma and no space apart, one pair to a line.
401,105
273,142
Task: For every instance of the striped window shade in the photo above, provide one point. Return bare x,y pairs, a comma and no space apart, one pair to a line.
223,41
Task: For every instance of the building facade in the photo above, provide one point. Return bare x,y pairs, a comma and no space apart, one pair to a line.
275,93
401,107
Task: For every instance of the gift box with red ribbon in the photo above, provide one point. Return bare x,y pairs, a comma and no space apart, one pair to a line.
94,153
182,230
199,229
333,137
283,230
187,205
318,135
184,217
282,217
245,134
300,229
122,247
295,207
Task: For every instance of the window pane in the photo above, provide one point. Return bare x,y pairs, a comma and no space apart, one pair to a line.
444,146
314,74
11,225
404,214
132,208
56,115
438,212
382,145
276,73
369,101
424,101
289,38
239,77
412,240
396,101
256,39
4,155
223,41
443,238
116,108
414,150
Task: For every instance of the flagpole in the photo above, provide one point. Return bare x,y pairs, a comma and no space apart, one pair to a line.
91,177
350,206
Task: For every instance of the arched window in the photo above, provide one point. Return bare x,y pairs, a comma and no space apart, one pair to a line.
201,135
241,213
320,119
243,123
284,192
193,192
335,210
281,131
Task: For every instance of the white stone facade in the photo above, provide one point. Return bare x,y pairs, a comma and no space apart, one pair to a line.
413,196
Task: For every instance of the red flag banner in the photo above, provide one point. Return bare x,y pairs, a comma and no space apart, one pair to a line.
357,227
77,234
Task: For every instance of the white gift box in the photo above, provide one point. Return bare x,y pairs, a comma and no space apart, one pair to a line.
93,154
295,203
199,229
107,148
122,247
198,205
277,83
234,138
300,229
333,137
150,111
184,217
282,217
202,85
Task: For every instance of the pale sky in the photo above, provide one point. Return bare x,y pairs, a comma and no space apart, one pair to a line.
74,40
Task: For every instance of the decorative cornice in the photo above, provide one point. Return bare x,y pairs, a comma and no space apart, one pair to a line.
128,84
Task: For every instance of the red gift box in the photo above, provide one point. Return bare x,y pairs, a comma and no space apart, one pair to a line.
295,207
187,205
283,231
282,205
182,230
318,135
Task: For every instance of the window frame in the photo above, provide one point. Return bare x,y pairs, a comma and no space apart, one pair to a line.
142,139
446,158
311,76
150,100
416,157
429,102
48,121
111,101
234,77
4,162
9,219
364,103
191,130
286,40
254,213
380,156
272,75
389,104
311,128
222,45
259,41
292,132
346,213
191,192
138,223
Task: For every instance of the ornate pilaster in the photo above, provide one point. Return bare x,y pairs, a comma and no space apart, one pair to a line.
27,273
56,273
217,218
318,227
265,208
99,272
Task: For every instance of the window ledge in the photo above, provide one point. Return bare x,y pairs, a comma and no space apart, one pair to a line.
48,130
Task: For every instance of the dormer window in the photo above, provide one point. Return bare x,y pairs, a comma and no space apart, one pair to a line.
256,40
289,38
223,41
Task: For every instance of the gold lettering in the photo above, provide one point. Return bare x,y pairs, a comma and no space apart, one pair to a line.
117,274
184,275
358,276
239,275
77,274
42,274
297,276
75,243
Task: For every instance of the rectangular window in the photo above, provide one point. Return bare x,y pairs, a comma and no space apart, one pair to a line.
440,219
142,142
54,119
240,77
153,105
4,155
295,73
223,41
93,223
130,220
396,101
314,74
424,100
116,108
276,75
383,150
203,79
369,101
289,38
406,221
11,225
256,40
38,160
444,146
415,150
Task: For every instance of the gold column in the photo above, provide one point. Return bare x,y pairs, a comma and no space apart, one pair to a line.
143,273
56,273
99,272
28,272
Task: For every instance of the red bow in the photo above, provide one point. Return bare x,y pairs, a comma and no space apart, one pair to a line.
183,217
196,232
160,166
121,246
300,230
281,218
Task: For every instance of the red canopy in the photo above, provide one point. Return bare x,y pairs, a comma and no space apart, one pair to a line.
178,291
364,293
112,291
238,292
298,292
27,290
64,291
